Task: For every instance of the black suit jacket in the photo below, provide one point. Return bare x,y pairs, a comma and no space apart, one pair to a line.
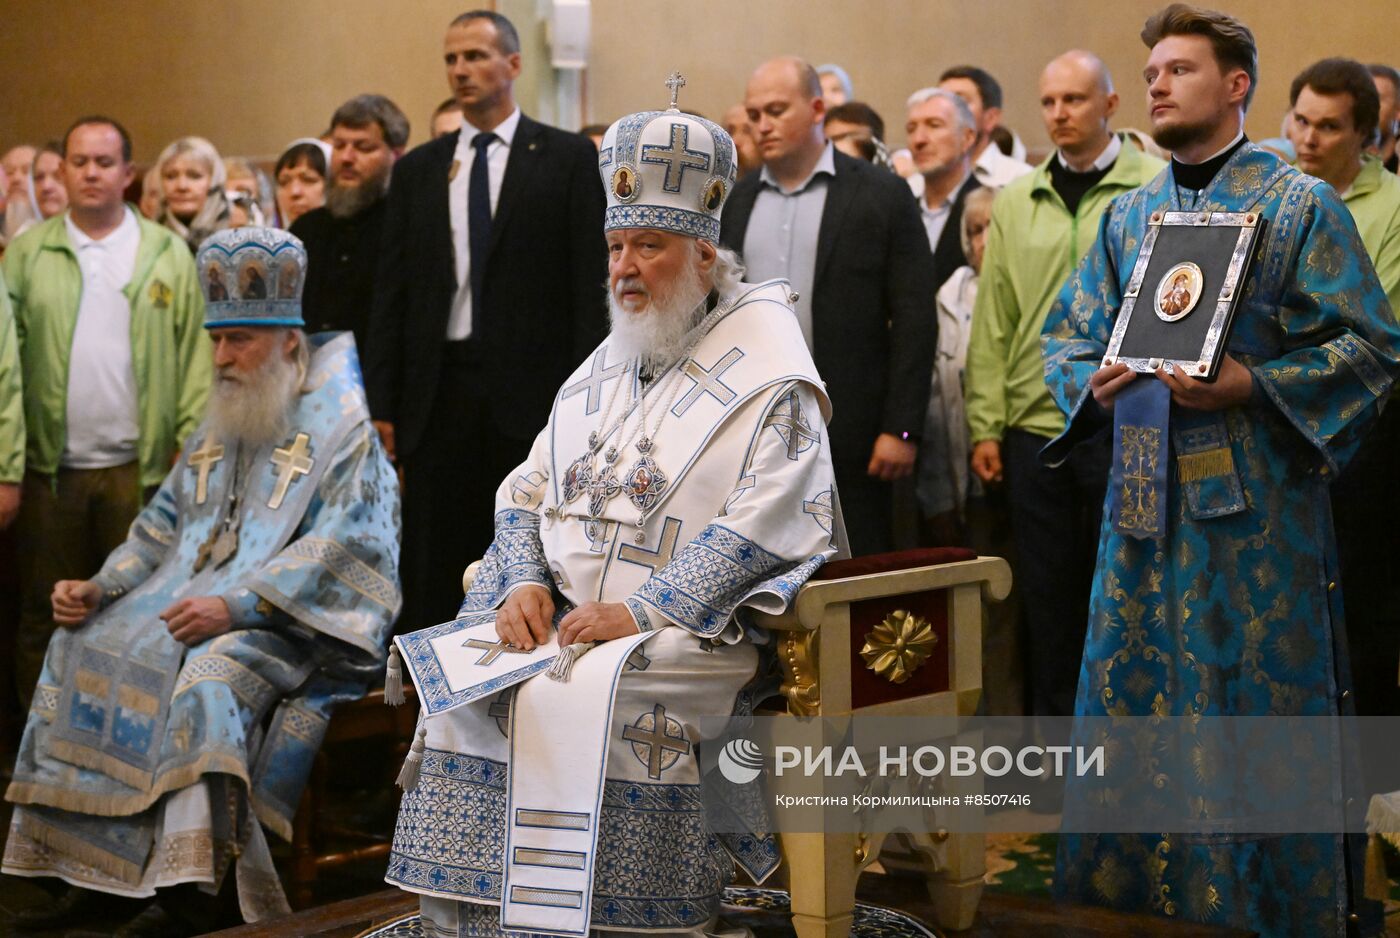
948,256
544,303
874,326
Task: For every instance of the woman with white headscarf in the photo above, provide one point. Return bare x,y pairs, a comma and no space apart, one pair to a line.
192,187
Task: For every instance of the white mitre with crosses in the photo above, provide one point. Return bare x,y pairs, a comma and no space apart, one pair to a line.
667,170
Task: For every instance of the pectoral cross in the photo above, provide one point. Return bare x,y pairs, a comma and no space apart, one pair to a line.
602,489
493,650
676,81
203,460
293,461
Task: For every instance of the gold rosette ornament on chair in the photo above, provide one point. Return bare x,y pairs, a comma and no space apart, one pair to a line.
898,646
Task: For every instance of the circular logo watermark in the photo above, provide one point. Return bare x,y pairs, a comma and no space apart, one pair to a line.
741,761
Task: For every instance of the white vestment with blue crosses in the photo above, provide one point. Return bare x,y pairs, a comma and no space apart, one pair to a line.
746,515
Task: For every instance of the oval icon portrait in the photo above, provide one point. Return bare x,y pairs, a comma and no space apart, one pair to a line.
713,196
625,184
1178,291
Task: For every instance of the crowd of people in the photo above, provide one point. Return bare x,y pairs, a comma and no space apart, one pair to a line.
954,298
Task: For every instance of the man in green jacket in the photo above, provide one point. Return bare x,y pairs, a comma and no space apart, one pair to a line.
1335,112
116,370
1335,109
11,414
1042,224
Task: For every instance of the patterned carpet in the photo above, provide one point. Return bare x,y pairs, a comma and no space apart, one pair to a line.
765,911
1024,864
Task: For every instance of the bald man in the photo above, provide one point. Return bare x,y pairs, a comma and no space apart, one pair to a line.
1042,224
847,236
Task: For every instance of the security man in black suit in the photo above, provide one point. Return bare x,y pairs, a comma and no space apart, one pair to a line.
847,235
489,292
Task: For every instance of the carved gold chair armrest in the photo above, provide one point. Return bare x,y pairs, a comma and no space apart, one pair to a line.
890,635
878,635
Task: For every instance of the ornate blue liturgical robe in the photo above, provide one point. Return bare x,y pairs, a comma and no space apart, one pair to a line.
722,502
124,715
1235,610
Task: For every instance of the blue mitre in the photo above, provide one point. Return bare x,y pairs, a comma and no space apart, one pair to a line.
667,170
252,276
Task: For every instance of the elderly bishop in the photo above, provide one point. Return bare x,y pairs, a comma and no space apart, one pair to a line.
683,480
186,697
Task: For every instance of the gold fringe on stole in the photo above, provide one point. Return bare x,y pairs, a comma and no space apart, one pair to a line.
1377,885
102,805
80,850
85,757
1193,467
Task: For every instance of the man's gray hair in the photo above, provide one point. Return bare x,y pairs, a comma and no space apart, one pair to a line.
727,272
959,105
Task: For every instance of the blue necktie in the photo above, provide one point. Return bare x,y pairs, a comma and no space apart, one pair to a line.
479,219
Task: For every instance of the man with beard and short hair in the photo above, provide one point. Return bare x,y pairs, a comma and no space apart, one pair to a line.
342,237
14,201
1207,594
184,699
683,477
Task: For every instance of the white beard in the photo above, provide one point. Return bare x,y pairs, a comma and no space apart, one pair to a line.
254,408
658,333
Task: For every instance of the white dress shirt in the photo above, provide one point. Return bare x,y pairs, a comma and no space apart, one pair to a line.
994,169
781,239
101,411
459,325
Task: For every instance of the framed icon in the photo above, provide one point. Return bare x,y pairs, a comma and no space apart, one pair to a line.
1184,290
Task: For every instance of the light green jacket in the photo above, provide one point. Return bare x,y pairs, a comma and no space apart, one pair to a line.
11,398
1374,201
1033,245
169,349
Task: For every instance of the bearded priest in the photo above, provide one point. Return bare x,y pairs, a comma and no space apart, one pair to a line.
187,693
683,480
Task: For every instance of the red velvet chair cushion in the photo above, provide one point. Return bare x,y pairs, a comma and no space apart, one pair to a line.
897,560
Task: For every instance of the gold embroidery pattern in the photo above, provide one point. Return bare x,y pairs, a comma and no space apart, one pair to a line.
347,568
1141,449
302,724
251,689
187,853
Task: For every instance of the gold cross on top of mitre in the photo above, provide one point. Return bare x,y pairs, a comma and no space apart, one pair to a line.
675,82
